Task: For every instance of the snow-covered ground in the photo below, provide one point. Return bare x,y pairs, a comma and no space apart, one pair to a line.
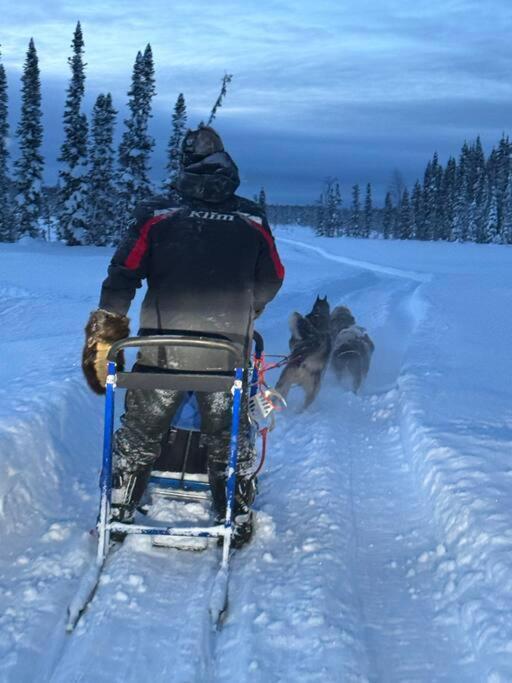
383,550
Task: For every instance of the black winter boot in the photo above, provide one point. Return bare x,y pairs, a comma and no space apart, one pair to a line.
127,490
242,515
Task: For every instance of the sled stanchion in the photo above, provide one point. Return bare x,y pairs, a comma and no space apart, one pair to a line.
219,594
90,579
232,463
106,470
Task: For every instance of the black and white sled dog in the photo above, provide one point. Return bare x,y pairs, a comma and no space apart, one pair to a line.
352,348
310,346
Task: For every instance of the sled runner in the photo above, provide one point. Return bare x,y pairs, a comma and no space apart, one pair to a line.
181,470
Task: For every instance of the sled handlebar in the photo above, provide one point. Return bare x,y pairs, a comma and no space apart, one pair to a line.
218,379
177,340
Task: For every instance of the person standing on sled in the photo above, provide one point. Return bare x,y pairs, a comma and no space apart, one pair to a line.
211,267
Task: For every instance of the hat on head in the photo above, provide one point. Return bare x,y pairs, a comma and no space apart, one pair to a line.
200,143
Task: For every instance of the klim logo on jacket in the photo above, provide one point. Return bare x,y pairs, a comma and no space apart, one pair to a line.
212,215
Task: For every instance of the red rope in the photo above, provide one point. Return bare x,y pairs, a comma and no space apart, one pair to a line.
262,367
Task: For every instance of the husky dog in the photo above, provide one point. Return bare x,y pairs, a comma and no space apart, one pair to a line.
352,348
310,346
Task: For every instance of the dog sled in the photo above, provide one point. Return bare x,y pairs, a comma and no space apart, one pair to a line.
181,470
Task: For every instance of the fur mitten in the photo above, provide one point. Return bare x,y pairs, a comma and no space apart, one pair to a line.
102,330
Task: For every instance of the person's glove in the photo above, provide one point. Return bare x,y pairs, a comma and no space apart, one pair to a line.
102,330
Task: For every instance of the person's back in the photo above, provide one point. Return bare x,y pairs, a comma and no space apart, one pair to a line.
209,259
211,266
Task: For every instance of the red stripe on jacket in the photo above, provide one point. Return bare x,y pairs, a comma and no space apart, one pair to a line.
272,248
140,247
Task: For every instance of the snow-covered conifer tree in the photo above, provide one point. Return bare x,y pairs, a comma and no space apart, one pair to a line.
336,221
431,191
502,175
73,154
320,218
447,195
462,196
101,191
137,144
507,212
7,228
388,218
417,209
355,218
405,219
368,213
490,228
472,228
262,199
329,221
179,128
29,166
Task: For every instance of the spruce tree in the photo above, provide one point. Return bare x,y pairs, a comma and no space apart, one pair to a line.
29,166
461,213
388,218
101,196
262,200
73,154
7,231
321,216
179,127
431,198
336,226
507,212
329,221
482,201
489,231
137,144
417,209
405,219
462,200
368,213
355,218
472,229
476,169
502,174
447,209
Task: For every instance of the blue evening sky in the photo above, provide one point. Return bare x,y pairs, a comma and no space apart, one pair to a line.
321,88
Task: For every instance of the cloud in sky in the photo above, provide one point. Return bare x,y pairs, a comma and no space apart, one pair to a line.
350,89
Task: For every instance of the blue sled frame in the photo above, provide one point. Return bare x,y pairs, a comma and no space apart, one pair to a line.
220,379
174,380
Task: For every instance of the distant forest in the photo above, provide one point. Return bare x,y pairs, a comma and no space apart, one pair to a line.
469,199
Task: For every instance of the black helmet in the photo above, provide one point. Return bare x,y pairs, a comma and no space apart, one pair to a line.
198,144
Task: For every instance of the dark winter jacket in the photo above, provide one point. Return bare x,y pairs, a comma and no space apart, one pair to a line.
210,265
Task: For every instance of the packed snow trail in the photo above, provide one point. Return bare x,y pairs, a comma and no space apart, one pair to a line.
383,549
150,614
345,497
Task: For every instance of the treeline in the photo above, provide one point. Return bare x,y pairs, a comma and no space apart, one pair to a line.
98,185
469,200
289,214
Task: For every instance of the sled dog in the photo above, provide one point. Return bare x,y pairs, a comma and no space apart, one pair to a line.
310,346
352,348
